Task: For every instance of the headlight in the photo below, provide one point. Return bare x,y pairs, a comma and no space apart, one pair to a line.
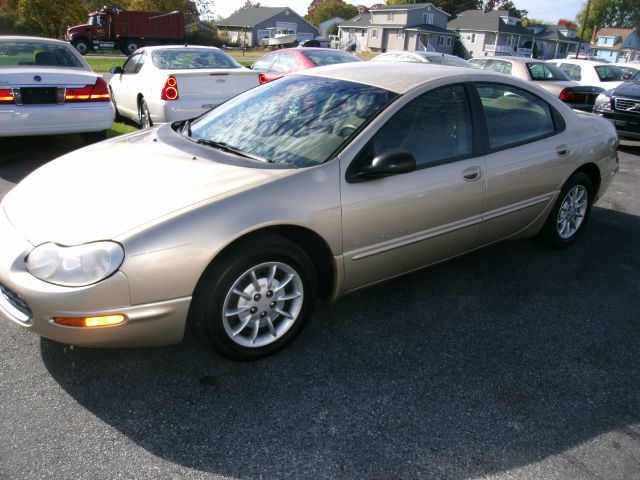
75,266
603,102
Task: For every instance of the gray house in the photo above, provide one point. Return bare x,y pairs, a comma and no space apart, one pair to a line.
554,41
420,26
247,27
492,33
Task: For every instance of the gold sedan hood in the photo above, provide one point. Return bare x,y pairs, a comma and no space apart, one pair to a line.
105,190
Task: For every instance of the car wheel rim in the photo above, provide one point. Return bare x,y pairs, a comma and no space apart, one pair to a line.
81,47
262,304
572,212
145,122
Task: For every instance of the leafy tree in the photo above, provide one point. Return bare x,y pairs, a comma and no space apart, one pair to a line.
610,13
504,5
205,9
330,9
563,22
49,18
362,9
157,5
452,7
530,22
248,4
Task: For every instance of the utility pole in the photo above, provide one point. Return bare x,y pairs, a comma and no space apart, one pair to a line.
584,24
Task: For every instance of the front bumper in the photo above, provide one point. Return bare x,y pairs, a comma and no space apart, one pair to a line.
33,304
627,125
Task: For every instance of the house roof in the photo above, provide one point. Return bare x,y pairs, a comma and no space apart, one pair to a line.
553,33
623,33
250,17
479,21
359,21
427,27
413,6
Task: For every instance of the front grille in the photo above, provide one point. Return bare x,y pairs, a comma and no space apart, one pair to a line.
626,105
14,305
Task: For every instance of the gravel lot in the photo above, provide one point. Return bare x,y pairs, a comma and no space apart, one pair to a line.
515,362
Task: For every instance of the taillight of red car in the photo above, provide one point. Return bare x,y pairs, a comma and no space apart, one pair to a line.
98,92
170,90
262,78
568,95
6,95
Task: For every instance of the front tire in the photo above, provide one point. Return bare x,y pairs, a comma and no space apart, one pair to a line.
570,212
82,46
255,299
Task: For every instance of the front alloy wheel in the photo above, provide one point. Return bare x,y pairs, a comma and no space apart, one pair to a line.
263,304
255,298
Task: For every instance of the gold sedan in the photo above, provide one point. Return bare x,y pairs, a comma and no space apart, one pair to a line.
318,184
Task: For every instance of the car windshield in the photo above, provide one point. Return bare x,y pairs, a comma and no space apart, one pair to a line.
192,59
297,121
545,71
323,57
21,54
452,61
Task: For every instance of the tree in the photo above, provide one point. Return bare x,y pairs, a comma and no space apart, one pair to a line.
247,4
329,9
450,6
205,9
563,22
51,19
610,13
504,5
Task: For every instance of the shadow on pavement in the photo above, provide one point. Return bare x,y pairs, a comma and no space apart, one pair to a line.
480,365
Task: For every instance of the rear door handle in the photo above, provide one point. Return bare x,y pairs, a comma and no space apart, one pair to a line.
562,150
472,174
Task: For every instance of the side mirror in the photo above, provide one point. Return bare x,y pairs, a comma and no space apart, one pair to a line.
115,70
391,162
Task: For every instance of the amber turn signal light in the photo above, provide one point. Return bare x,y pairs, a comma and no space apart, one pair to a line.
102,321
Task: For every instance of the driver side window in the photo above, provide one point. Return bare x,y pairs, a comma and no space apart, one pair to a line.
436,128
131,65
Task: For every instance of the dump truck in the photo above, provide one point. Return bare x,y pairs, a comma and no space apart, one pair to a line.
113,28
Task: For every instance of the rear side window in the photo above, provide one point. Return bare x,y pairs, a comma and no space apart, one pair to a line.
609,73
514,116
545,71
572,71
131,65
436,128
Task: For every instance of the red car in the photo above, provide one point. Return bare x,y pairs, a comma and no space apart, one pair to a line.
288,60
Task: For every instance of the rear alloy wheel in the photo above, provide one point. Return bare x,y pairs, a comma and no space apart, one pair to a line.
144,117
570,212
256,299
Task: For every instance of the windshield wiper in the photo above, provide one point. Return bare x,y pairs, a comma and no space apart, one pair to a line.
225,147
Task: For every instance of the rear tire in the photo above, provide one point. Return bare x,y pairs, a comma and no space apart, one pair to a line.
570,212
144,117
255,299
130,46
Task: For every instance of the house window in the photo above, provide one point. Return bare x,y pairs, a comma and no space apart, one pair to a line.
400,33
449,40
390,17
441,41
374,33
427,18
473,38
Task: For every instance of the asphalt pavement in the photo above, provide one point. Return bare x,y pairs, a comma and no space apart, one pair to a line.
515,362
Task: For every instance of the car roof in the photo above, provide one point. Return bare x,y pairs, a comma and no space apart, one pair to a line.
19,38
405,77
510,59
579,61
175,47
420,53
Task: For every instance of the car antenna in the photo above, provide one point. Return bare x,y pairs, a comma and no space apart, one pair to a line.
186,44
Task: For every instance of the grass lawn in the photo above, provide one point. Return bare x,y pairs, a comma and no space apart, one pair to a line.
104,64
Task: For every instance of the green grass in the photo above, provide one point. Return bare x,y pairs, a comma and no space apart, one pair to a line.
103,65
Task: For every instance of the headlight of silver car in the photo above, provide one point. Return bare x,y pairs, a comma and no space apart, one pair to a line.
75,266
603,102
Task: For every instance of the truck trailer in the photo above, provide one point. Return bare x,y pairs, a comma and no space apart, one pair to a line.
113,28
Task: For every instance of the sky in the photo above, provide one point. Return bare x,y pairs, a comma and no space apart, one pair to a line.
548,10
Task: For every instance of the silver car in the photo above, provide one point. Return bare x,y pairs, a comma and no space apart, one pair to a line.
318,184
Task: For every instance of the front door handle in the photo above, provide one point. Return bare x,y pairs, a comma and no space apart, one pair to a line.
472,174
562,150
